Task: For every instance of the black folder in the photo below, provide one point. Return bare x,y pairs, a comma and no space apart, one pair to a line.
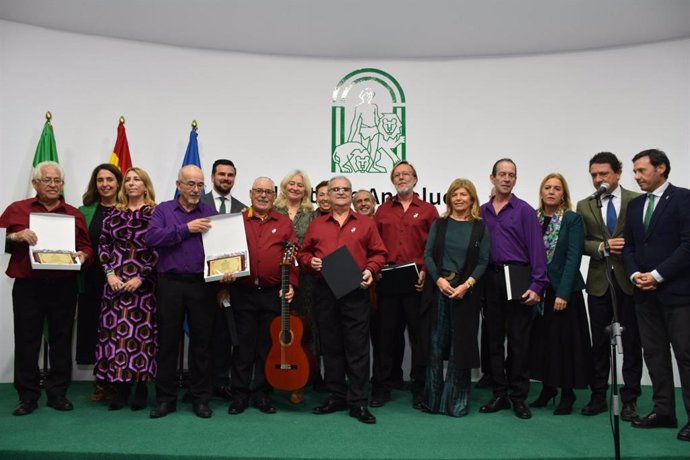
398,279
341,272
518,279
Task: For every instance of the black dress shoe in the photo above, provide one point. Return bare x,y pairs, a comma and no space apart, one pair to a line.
238,406
223,392
521,410
330,406
595,406
362,414
62,404
25,407
654,420
485,382
629,412
496,404
162,409
380,398
202,410
684,433
265,406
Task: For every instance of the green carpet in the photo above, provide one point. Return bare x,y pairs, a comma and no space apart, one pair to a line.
92,432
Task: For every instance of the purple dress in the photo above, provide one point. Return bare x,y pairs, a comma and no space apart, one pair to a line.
127,335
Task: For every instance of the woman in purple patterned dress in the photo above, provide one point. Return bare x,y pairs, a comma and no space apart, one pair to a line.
127,342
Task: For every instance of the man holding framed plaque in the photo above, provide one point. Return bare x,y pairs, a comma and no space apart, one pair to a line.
47,292
176,231
223,174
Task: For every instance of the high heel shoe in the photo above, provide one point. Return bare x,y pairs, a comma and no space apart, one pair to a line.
548,393
141,395
565,405
122,396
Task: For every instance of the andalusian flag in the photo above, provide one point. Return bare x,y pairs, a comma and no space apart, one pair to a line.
46,150
120,156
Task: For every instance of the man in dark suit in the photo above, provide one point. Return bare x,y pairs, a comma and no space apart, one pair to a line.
606,224
657,259
223,177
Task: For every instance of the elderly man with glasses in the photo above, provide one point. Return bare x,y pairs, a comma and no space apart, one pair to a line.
40,296
175,232
344,322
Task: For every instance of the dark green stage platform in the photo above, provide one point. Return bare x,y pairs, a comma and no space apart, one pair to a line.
91,432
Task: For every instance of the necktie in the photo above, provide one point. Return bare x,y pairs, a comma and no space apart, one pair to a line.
611,217
222,205
650,210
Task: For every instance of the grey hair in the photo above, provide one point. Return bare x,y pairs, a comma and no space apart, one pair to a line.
273,184
37,171
334,178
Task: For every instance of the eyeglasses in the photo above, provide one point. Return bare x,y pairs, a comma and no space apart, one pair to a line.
401,175
192,184
50,180
264,191
340,189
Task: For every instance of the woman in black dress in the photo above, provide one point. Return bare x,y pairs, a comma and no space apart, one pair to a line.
99,199
560,344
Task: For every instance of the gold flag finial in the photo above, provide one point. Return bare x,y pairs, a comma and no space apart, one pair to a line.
122,120
49,116
194,124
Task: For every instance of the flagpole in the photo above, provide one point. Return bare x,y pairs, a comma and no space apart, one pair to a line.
44,370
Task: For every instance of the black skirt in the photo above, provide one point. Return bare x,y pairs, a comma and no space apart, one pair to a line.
560,347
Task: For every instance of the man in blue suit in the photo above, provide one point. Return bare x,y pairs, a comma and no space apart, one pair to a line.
657,261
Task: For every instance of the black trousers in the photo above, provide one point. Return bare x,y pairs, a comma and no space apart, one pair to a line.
343,326
660,326
254,310
177,296
35,302
395,313
511,319
600,316
221,350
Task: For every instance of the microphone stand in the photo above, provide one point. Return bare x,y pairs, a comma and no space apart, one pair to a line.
614,330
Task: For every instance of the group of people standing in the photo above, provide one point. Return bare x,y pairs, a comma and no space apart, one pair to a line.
514,269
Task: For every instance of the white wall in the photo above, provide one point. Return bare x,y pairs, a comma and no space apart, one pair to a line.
272,114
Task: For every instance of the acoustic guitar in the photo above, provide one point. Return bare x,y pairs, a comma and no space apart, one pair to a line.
287,365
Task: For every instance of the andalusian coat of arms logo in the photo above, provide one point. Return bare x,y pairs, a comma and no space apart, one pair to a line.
367,123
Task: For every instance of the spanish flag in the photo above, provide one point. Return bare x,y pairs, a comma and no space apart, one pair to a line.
120,156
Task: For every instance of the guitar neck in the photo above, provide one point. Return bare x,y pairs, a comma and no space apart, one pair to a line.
284,305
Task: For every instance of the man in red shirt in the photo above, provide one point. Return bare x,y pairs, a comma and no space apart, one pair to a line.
404,224
42,295
343,323
256,298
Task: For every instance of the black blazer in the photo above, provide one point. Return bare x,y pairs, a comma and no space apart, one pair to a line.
664,247
235,205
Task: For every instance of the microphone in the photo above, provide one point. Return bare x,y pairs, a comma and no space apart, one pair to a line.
603,188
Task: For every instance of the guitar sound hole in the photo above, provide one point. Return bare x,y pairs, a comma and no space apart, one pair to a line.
286,335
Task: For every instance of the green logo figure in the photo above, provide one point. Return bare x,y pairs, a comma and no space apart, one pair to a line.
371,104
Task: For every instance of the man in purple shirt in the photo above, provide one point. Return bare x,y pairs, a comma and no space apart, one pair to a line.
175,231
516,239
